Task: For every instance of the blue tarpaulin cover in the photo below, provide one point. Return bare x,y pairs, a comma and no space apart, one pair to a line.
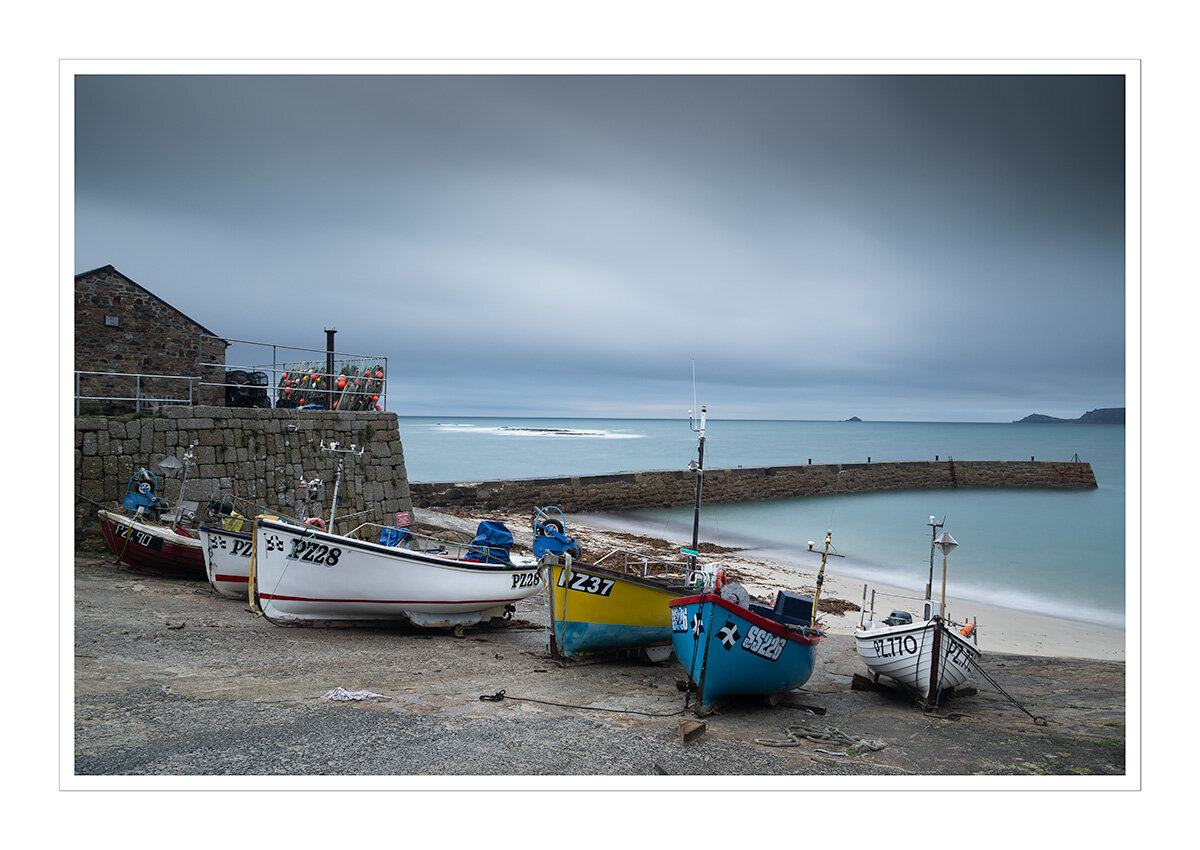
491,544
394,536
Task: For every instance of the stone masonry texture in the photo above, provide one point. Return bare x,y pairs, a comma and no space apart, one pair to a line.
256,454
120,327
676,488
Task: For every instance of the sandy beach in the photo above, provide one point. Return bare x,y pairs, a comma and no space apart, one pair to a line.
1000,629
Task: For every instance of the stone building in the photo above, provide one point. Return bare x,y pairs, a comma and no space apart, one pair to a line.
132,349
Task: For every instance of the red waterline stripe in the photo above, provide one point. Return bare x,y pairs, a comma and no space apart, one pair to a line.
271,596
219,577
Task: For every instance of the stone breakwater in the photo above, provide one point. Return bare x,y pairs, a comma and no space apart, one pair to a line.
676,488
257,454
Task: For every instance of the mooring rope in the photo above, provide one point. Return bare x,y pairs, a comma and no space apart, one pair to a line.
501,695
797,735
1037,719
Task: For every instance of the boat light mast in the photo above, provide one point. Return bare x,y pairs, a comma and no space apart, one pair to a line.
698,468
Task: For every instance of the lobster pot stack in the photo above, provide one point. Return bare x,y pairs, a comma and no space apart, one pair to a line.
359,387
301,384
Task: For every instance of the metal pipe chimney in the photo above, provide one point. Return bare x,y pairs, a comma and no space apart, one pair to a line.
329,368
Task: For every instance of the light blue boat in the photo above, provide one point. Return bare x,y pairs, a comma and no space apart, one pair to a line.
729,650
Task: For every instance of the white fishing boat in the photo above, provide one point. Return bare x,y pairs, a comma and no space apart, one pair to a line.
227,541
227,551
929,655
303,575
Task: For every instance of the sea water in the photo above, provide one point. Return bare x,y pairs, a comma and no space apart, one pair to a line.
1046,551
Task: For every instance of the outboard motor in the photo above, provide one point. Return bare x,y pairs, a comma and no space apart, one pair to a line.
140,495
898,618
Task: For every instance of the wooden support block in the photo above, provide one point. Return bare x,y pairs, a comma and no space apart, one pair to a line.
690,730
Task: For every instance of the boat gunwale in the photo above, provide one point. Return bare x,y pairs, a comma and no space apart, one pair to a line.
772,626
310,533
213,529
163,532
904,628
648,582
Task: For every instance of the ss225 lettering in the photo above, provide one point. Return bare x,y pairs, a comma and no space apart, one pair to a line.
763,643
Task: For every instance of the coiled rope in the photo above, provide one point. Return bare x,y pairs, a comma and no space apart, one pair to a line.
797,735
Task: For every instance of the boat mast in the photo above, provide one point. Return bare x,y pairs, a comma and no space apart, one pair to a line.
946,543
821,578
934,525
698,468
333,447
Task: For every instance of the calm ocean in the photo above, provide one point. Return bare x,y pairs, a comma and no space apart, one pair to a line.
1053,552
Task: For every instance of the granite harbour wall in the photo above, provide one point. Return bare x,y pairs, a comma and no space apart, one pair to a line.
257,455
676,488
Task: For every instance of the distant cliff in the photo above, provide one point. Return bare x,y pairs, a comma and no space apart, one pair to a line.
1100,416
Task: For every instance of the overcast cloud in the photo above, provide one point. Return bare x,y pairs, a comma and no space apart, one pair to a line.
890,247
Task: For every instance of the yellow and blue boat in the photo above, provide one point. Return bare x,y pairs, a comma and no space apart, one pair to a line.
617,604
596,610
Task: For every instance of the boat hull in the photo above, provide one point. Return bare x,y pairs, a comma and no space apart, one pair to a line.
301,575
156,548
227,560
729,651
595,610
906,654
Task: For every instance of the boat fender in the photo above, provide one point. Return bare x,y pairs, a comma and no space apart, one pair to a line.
967,630
315,522
720,581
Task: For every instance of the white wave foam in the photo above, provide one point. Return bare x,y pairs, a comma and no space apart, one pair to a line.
531,431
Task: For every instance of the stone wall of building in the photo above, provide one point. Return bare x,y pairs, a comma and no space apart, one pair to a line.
122,327
676,488
258,455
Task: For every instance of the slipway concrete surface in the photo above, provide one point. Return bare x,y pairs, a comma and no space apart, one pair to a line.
171,679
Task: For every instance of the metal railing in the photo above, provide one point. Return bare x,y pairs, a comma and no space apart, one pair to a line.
139,398
357,382
646,566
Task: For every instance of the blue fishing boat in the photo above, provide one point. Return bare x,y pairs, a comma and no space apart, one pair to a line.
733,647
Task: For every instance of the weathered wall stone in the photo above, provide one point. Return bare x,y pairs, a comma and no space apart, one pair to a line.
235,455
121,327
676,488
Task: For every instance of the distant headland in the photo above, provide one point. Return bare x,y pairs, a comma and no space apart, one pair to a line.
1100,416
852,419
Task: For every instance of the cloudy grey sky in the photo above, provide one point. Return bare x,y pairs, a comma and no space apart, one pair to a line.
889,247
